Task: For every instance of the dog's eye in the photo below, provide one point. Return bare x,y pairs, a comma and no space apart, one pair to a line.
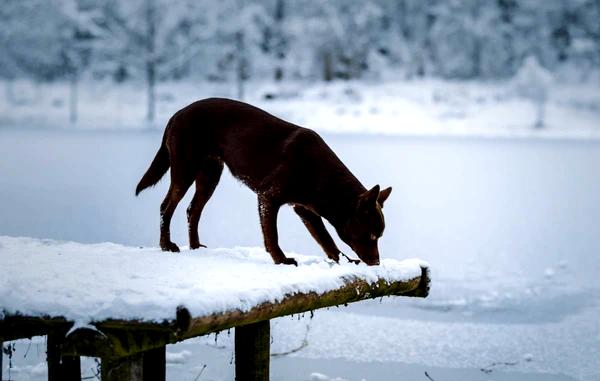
373,237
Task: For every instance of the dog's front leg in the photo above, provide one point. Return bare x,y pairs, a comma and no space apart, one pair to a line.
316,227
268,210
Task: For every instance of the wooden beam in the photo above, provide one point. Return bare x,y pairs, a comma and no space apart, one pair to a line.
354,290
115,343
61,367
14,327
252,351
117,338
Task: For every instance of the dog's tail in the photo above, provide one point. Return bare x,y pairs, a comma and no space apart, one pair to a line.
157,170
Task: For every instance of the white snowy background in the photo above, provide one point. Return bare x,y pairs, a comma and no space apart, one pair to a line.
483,116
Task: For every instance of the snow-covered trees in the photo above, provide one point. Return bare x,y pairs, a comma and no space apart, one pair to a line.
154,40
46,40
532,82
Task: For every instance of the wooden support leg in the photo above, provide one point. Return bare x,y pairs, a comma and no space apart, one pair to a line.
145,366
61,368
124,369
252,351
155,365
1,354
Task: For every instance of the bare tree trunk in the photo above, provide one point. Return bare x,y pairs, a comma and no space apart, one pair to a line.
280,44
73,95
10,90
327,65
410,56
540,105
427,44
402,12
241,64
150,59
151,83
475,14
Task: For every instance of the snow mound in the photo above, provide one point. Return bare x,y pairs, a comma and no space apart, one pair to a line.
177,357
94,282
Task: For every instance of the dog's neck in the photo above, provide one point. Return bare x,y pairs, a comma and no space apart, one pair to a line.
340,202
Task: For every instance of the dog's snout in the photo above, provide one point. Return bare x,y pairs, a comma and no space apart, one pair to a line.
373,263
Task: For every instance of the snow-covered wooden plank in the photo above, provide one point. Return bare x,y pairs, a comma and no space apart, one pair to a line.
144,298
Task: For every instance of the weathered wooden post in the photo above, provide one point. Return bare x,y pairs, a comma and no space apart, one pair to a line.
149,365
128,368
155,364
60,367
252,351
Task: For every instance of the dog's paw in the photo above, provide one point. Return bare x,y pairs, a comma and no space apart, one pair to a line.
334,256
289,261
169,246
196,245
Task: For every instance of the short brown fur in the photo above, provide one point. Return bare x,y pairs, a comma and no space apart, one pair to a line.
281,162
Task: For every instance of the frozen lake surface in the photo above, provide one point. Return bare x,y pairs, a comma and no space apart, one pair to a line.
509,227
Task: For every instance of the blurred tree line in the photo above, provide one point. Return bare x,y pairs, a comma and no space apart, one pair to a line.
235,40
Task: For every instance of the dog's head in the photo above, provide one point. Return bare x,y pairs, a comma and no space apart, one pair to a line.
366,224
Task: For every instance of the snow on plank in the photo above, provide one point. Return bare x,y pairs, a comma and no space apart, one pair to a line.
109,285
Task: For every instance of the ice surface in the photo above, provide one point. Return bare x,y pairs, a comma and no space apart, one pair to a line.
489,215
93,282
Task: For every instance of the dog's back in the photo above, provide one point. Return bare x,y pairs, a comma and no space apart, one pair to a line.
263,151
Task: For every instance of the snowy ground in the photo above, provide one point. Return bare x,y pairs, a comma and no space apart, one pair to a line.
509,228
420,107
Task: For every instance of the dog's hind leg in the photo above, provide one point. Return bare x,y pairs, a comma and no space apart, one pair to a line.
316,227
268,210
180,182
206,182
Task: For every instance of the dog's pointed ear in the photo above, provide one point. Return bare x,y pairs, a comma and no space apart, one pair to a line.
383,195
369,198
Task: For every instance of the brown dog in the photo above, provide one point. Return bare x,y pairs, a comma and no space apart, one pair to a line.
281,162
